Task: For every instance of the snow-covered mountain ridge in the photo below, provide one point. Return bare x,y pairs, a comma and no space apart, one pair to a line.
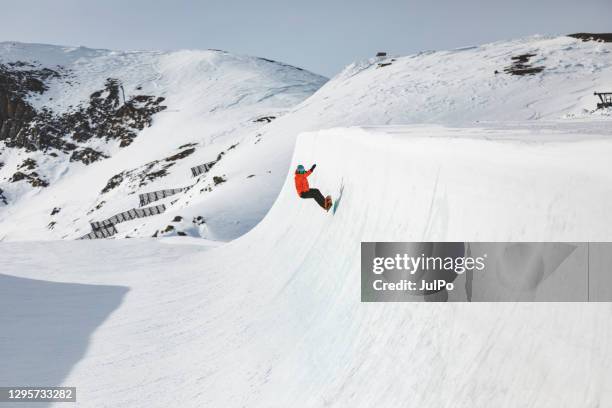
77,123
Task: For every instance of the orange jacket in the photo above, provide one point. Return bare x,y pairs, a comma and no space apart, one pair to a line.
301,182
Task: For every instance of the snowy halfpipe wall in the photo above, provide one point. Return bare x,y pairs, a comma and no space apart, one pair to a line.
274,319
429,184
289,291
440,184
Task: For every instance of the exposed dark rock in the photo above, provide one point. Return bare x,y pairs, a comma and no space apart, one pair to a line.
601,37
143,175
97,207
187,145
33,178
150,176
27,164
521,66
87,155
113,182
20,82
266,119
178,218
3,199
109,117
199,220
522,59
181,155
181,234
16,115
218,180
51,225
18,176
55,210
149,172
383,64
168,228
108,114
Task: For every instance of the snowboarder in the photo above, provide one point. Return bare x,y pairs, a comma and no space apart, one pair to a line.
304,190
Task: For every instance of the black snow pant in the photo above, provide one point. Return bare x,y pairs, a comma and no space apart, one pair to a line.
316,194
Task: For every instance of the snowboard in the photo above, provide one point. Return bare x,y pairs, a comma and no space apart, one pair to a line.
337,202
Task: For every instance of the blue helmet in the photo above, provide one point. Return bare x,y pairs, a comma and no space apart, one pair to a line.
300,169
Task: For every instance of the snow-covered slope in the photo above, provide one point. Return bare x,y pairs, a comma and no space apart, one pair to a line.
462,87
274,319
212,99
212,103
458,87
486,83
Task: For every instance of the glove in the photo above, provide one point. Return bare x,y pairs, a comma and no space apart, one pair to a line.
313,167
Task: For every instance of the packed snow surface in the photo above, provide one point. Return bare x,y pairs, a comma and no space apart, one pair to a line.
274,319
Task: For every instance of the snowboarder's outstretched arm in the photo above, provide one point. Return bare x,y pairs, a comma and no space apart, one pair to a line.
309,172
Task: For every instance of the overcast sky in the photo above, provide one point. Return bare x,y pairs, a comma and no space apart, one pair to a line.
320,35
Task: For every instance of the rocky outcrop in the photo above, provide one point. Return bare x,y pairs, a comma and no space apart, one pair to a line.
218,180
25,172
180,155
113,182
27,164
143,175
265,119
87,155
521,66
107,115
600,37
17,81
33,178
